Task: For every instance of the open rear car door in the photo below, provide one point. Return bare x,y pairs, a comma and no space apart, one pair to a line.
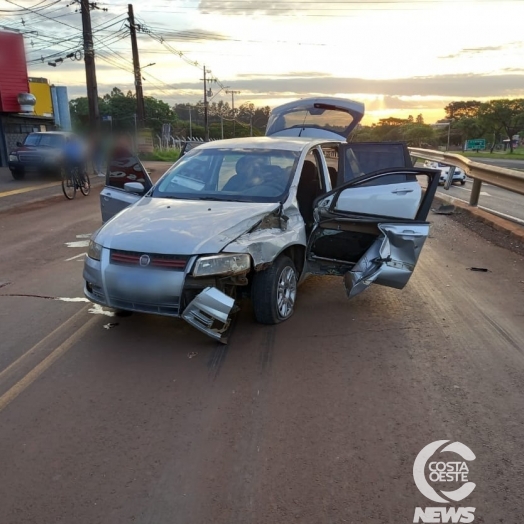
123,167
371,229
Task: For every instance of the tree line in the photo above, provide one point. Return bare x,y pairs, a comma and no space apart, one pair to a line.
121,107
493,121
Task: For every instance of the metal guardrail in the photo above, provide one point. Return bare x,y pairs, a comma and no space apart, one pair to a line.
509,179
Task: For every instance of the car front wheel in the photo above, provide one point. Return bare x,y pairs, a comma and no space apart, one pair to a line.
274,292
18,174
462,182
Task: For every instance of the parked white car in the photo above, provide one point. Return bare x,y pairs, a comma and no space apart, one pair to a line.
254,216
458,176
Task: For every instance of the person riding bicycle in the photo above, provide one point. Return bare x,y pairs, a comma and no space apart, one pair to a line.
74,156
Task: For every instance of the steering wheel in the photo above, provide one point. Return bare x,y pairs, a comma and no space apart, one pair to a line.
263,191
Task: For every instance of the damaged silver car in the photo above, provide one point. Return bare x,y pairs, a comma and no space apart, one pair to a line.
255,216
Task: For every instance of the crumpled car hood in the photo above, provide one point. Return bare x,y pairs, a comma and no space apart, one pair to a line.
182,227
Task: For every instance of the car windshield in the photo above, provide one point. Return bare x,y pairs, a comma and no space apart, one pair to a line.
44,140
239,175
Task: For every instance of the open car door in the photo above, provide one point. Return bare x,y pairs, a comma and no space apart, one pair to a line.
123,167
328,117
359,234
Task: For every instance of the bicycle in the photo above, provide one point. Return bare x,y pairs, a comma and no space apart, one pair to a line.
71,181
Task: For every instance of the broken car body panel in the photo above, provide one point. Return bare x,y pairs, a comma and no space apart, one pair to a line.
209,312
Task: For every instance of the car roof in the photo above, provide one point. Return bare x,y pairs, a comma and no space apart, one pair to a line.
264,142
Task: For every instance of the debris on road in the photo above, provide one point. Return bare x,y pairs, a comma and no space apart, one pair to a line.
111,325
192,354
97,309
444,209
481,269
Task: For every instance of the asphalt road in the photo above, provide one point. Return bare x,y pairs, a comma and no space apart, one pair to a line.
39,188
501,162
317,420
492,198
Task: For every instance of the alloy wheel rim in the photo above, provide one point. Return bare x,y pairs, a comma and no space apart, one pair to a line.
286,292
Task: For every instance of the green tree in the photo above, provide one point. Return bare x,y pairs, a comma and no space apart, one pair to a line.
462,109
418,135
505,114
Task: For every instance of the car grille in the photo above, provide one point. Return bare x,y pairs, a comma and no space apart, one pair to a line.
29,157
132,258
169,308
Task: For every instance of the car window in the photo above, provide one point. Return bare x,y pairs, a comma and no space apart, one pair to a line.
32,140
361,158
319,116
44,140
51,140
244,175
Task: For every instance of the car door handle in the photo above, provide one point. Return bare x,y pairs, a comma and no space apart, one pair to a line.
399,191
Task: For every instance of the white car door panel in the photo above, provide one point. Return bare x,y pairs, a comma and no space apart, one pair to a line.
393,200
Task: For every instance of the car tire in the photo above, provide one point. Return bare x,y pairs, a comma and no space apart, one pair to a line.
18,174
274,292
462,182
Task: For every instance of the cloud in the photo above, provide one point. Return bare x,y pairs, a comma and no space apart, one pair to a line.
253,6
292,74
465,85
403,94
468,51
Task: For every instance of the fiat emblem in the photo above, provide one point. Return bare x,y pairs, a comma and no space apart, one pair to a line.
145,260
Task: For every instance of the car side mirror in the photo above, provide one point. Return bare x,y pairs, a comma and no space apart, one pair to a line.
19,144
134,187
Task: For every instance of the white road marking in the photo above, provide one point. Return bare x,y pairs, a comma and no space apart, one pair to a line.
76,256
74,299
482,193
78,243
85,235
97,309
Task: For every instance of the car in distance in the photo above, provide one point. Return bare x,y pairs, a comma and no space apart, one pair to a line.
458,176
41,151
255,216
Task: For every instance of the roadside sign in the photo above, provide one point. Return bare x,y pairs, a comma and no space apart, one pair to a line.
477,143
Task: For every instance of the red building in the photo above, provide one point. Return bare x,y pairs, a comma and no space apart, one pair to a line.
13,68
15,120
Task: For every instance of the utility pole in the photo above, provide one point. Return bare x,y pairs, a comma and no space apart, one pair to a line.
190,124
206,108
89,59
222,126
233,93
206,115
140,107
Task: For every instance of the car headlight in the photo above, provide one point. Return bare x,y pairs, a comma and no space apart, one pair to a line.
94,251
13,158
222,265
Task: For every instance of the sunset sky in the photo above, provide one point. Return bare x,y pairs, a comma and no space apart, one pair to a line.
399,58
